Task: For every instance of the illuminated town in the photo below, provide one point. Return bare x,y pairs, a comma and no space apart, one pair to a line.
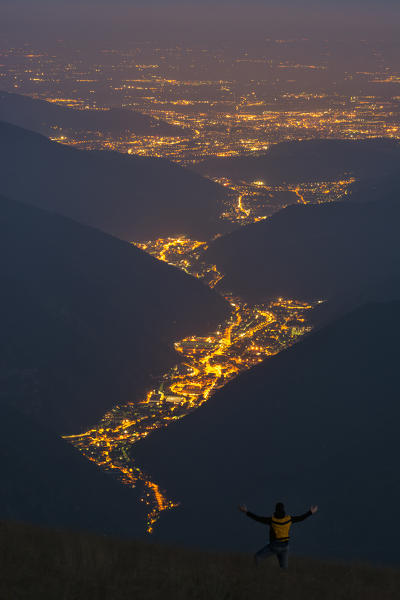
207,363
252,201
223,103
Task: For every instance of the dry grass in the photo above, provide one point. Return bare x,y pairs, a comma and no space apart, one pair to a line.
51,565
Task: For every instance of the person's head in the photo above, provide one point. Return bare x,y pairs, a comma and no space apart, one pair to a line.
279,510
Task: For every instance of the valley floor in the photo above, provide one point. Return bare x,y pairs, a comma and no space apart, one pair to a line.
39,564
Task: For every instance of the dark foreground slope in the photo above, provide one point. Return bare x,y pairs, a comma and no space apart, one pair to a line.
86,319
128,196
44,117
318,423
314,251
39,564
45,480
309,160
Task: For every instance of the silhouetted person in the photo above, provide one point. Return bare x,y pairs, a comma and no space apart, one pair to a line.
279,527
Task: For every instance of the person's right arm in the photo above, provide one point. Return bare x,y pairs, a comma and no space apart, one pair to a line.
299,518
265,520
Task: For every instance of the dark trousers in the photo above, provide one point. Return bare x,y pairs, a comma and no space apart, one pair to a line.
279,549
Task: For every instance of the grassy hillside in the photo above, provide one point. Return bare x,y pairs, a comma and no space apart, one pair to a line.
43,565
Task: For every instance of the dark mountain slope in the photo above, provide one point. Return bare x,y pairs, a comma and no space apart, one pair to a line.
314,251
380,290
309,160
44,117
377,186
316,424
86,318
45,480
130,197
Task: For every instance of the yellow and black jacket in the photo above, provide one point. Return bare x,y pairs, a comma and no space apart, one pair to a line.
279,528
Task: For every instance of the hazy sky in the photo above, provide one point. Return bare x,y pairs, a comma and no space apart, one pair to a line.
113,3
191,19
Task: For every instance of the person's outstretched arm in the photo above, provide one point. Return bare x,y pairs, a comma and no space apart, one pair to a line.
265,520
298,518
